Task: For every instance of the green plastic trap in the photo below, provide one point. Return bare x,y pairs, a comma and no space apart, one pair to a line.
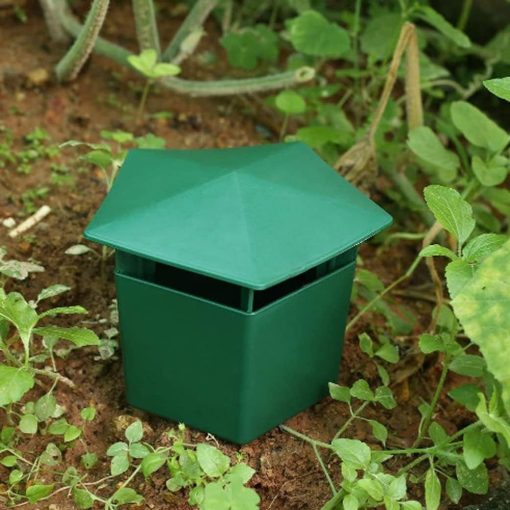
234,272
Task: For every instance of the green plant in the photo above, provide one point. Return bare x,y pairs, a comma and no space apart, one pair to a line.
146,63
213,482
476,279
62,25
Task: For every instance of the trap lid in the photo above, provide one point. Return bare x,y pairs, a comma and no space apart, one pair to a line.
253,216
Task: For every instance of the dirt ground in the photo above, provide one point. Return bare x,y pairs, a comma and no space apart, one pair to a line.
104,97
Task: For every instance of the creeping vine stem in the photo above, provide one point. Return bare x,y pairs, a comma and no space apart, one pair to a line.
72,62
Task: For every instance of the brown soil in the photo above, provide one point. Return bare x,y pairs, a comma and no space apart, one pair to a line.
104,97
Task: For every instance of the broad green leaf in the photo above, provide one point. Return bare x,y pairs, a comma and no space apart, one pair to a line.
144,62
435,19
454,490
318,136
45,407
366,344
250,46
134,432
58,427
369,280
52,291
150,141
82,498
458,273
63,310
388,352
290,102
72,432
372,487
483,309
431,343
427,146
468,364
152,462
89,460
88,413
385,397
379,431
215,497
80,337
116,448
240,497
361,390
450,210
28,424
16,310
350,502
340,393
482,246
432,490
436,250
492,421
119,464
118,136
477,127
499,87
467,395
490,173
477,446
163,69
475,481
15,476
437,433
397,489
212,461
36,492
14,383
380,35
353,452
97,157
126,495
410,505
9,461
312,34
241,473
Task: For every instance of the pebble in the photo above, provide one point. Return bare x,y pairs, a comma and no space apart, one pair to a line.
38,76
9,223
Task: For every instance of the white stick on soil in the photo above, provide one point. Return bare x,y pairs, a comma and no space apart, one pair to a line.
31,221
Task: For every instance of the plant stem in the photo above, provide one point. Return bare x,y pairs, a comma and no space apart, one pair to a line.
143,100
464,14
283,129
146,27
197,88
58,377
377,298
428,417
324,470
305,438
72,62
55,28
194,21
353,416
125,483
355,50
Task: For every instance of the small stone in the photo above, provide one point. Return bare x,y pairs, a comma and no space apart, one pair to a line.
38,77
9,223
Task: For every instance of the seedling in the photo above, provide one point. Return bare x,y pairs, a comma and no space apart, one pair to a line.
147,64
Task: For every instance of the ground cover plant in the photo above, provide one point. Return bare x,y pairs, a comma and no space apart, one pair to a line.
406,99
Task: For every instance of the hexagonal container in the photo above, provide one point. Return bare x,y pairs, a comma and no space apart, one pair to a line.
234,271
